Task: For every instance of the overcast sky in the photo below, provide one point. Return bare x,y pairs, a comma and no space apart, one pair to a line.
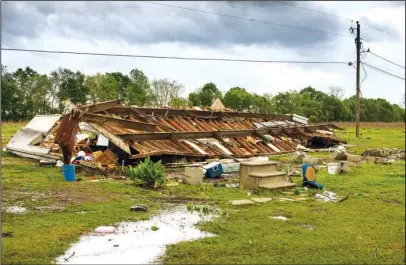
149,29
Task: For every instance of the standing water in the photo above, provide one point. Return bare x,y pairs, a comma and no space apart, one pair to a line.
140,242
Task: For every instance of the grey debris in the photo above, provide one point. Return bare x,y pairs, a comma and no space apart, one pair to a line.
139,208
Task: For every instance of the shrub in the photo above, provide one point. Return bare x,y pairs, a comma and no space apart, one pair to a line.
147,172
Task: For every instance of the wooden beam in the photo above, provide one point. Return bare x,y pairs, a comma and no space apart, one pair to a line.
196,113
115,139
209,134
128,124
99,107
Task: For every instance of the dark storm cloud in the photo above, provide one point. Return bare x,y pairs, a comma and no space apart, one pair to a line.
377,32
144,23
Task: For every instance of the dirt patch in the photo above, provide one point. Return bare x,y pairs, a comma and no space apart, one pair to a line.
391,201
78,196
398,247
318,210
53,200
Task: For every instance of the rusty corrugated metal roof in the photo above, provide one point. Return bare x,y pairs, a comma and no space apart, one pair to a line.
181,132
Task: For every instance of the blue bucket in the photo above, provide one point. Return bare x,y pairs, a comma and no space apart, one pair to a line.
68,172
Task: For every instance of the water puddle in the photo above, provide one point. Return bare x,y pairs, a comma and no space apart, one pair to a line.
142,242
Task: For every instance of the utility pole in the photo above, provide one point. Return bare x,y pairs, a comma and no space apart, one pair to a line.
357,104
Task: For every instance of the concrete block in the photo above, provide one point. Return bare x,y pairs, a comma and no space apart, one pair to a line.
193,176
354,158
261,199
298,157
344,166
241,202
339,155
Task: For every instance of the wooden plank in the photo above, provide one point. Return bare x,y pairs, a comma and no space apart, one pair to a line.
206,134
201,113
106,120
100,107
115,139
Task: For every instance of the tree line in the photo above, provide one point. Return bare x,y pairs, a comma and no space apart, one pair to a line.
26,93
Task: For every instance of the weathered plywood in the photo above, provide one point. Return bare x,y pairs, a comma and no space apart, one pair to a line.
246,168
116,140
267,177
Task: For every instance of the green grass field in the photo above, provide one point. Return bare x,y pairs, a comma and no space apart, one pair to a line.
367,228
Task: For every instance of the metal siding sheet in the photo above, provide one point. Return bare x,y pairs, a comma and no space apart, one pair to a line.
43,123
22,139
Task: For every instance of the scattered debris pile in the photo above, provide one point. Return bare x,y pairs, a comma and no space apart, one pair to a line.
383,156
112,134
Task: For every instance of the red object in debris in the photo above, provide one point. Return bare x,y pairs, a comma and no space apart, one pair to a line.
92,177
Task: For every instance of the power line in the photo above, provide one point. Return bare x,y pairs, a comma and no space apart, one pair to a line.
339,17
385,59
381,30
316,11
247,19
365,75
176,57
382,45
383,71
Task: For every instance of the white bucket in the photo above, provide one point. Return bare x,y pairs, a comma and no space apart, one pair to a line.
333,168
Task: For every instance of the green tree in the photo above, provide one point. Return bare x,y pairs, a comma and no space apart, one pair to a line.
164,91
124,82
139,91
103,87
24,80
262,104
285,102
41,94
68,85
11,104
238,98
209,93
194,99
179,102
205,96
398,113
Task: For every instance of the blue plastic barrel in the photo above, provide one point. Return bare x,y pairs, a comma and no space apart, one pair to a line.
68,172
